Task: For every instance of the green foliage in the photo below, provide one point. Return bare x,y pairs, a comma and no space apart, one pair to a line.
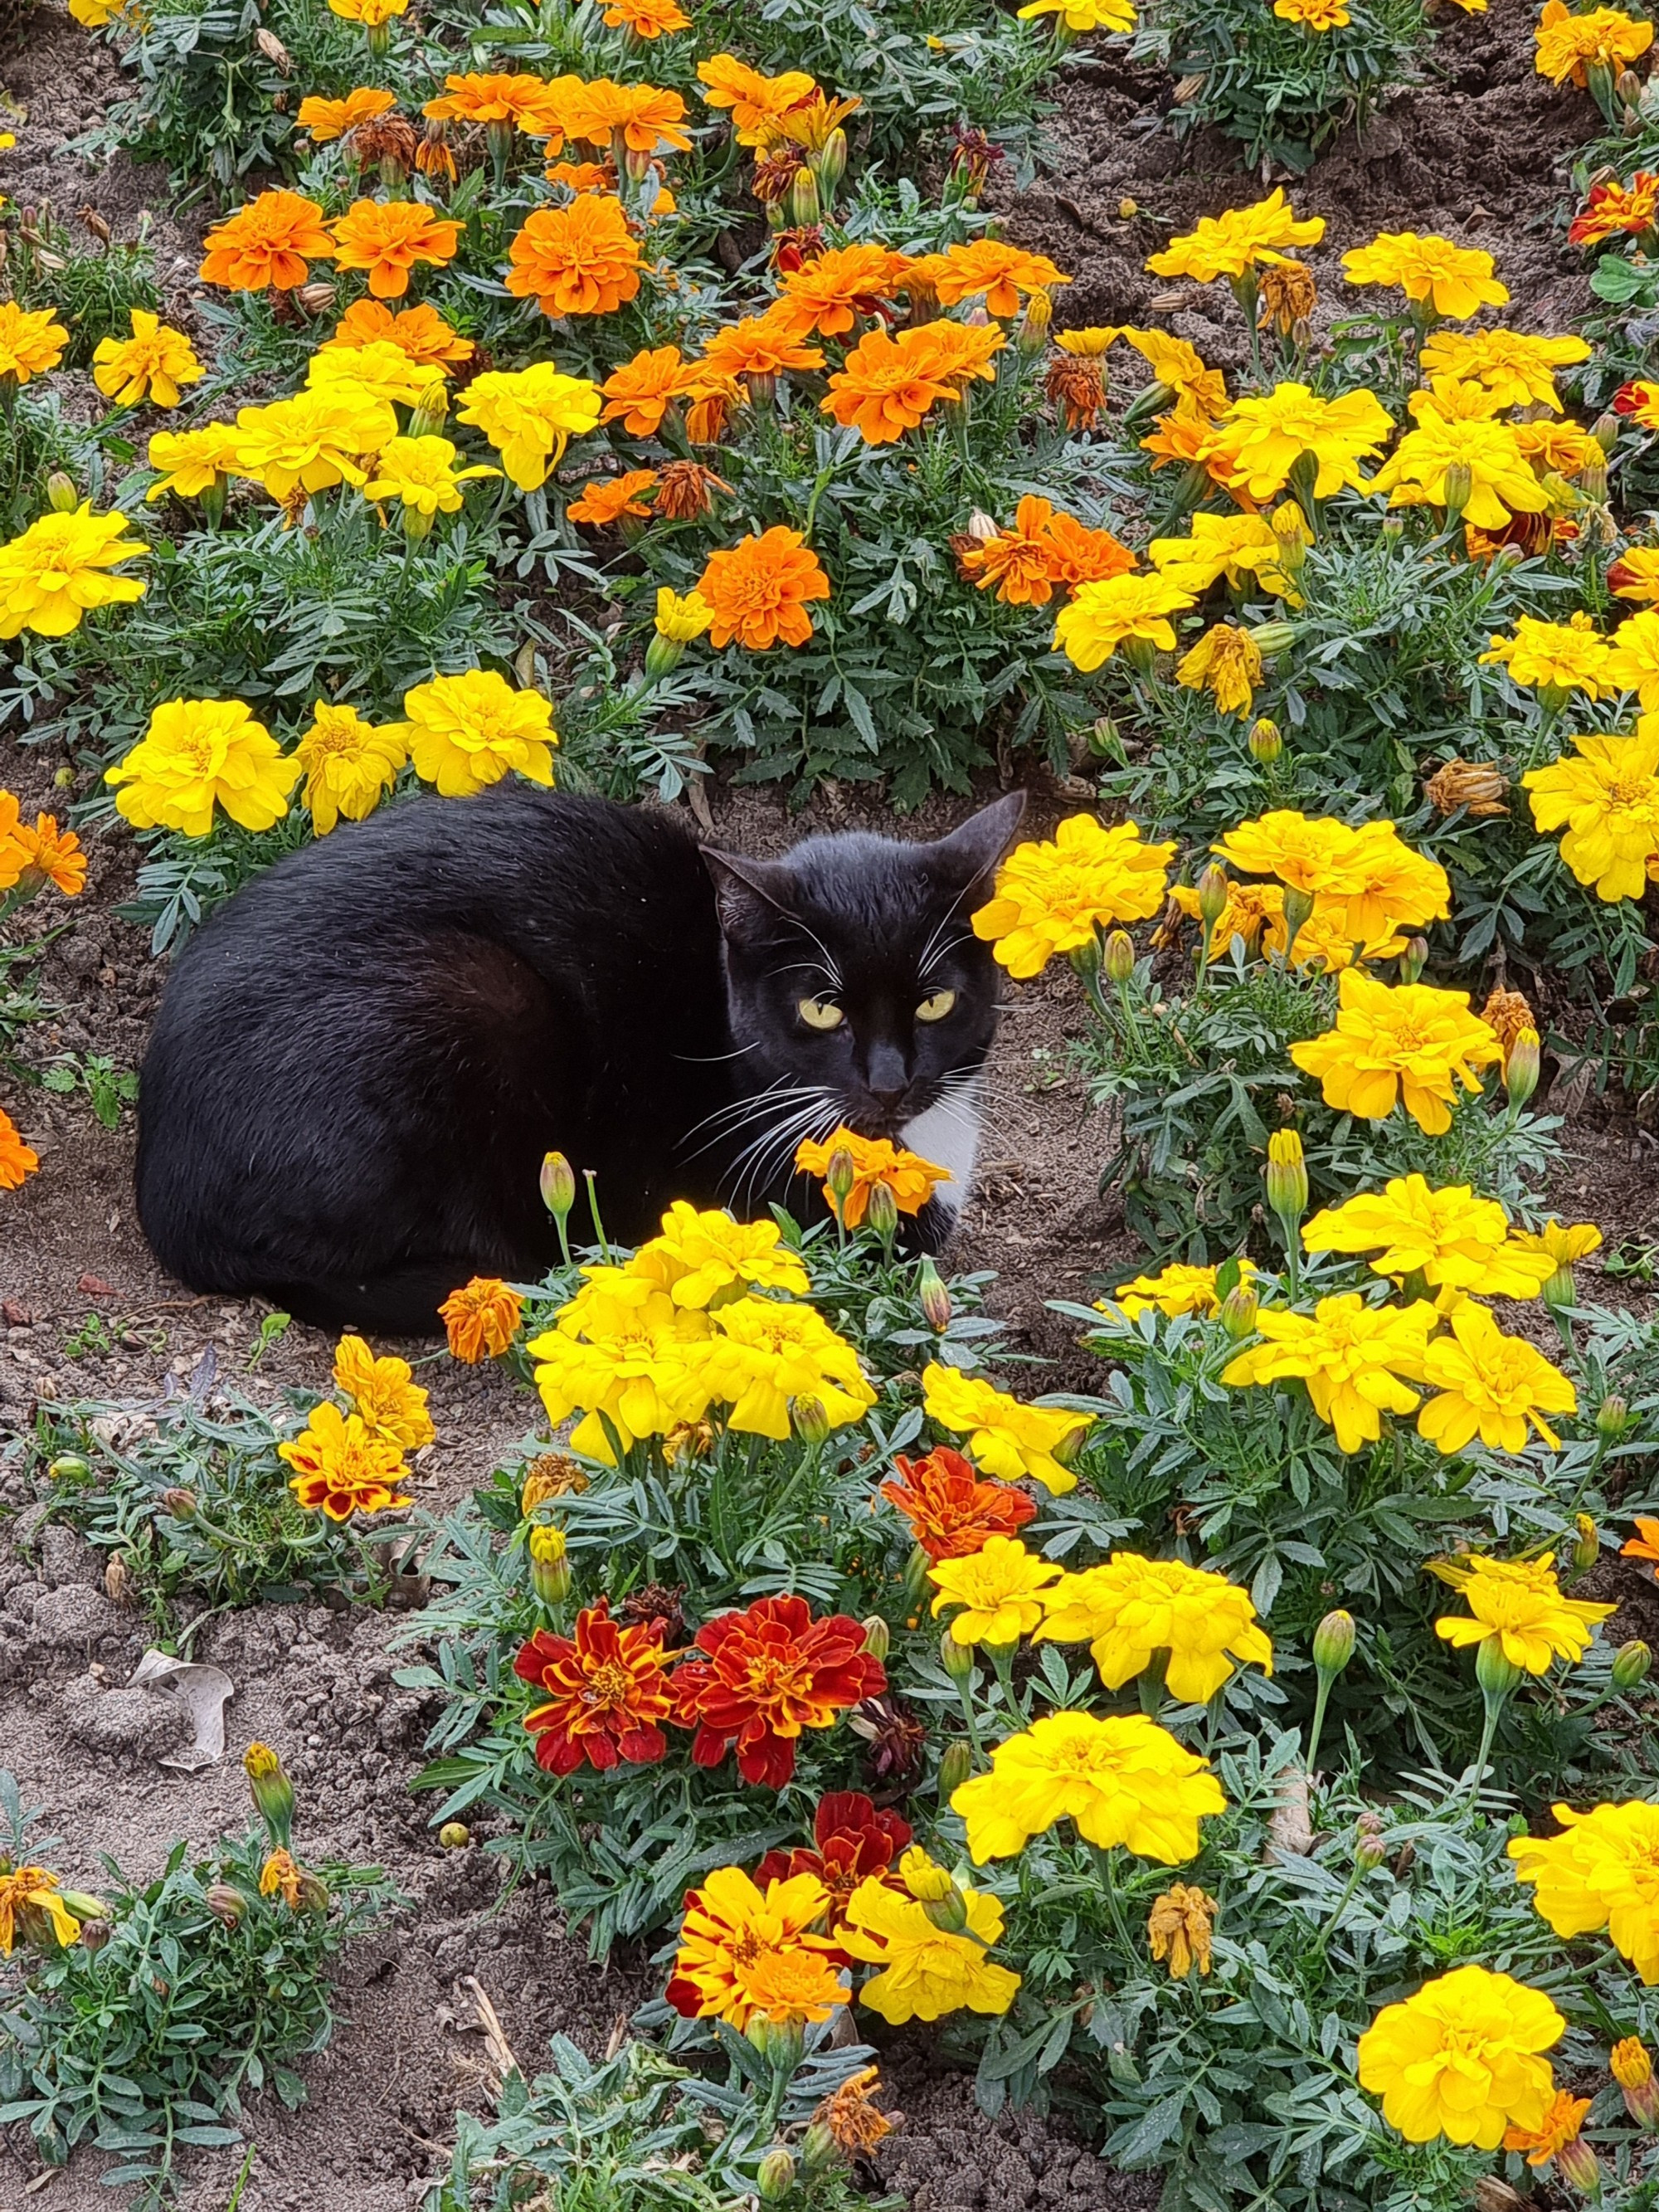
35,440
107,1087
147,2045
1281,88
93,290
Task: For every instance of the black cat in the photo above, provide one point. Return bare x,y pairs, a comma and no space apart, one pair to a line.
361,1061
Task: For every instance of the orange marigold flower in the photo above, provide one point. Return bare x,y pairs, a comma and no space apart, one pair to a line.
577,260
1000,271
44,855
830,293
17,1159
761,345
387,238
886,386
850,2115
332,118
608,1690
759,588
757,103
1077,555
766,1673
708,404
481,1318
267,244
608,499
1017,562
641,392
584,176
421,332
529,103
875,1160
1645,1544
648,19
281,1876
957,353
1559,2126
686,491
1078,388
952,1513
647,116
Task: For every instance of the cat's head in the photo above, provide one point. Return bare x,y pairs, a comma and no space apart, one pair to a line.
858,991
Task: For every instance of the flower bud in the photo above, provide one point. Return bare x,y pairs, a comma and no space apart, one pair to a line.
558,1185
839,1176
877,1636
1212,896
1032,335
1332,1644
1103,740
313,1895
179,1502
1605,430
1286,1176
882,1214
915,1575
1521,1068
1127,210
549,1569
1630,2064
1579,2168
819,2151
1612,1417
1299,905
810,1418
1265,741
1459,483
70,1467
1271,637
1120,956
95,1933
1631,1665
933,1297
60,495
1303,483
454,1836
1560,1291
1237,1312
830,165
273,1793
1587,1550
774,2177
956,1659
955,1765
1413,959
1495,1675
805,208
227,1904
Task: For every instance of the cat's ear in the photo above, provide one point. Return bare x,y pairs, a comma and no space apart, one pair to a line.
973,851
751,897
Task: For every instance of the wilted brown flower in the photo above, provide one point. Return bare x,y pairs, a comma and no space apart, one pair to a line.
1287,297
894,1734
1178,1929
685,490
432,157
1507,1013
662,1601
552,1474
973,155
1479,786
385,138
849,2114
1076,385
688,1440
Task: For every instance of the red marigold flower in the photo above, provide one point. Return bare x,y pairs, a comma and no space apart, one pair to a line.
767,1673
607,1690
953,1513
853,1842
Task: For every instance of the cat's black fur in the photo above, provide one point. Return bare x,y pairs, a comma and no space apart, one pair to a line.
361,1061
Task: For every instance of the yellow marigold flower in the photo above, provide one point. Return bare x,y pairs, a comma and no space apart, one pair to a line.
384,1393
1382,884
371,14
1502,483
1516,368
764,1354
379,368
1306,853
1242,547
733,1933
1570,46
1601,1872
348,764
342,1467
1130,1608
1561,449
1518,1603
1123,1780
1559,2126
1635,575
1226,662
632,1368
317,438
1562,1246
190,462
1407,1045
1053,897
281,1876
1179,1289
1455,281
1080,17
925,1971
681,617
1240,240
196,753
1008,1439
1091,342
28,1892
422,473
153,363
1607,801
1178,1929
998,1590
1179,368
1118,611
1569,656
31,341
1364,882
1633,662
465,732
700,1258
481,1320
1260,439
1351,1357
54,573
1491,1385
875,1160
530,416
1460,2058
1314,14
1455,1241
1628,2061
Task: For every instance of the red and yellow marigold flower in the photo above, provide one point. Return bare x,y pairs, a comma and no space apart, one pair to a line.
951,1512
342,1467
607,1692
269,244
1613,207
764,1674
582,259
852,1842
734,1938
759,589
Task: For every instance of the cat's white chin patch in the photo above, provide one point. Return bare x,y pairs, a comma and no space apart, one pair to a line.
948,1135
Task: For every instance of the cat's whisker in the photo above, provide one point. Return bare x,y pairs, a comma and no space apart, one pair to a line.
760,1115
771,1149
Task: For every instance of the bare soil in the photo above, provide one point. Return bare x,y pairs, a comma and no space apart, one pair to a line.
1475,153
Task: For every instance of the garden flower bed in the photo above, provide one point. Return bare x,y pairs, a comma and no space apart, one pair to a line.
1159,1697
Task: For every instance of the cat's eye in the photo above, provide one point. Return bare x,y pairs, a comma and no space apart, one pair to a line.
935,1006
820,1013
